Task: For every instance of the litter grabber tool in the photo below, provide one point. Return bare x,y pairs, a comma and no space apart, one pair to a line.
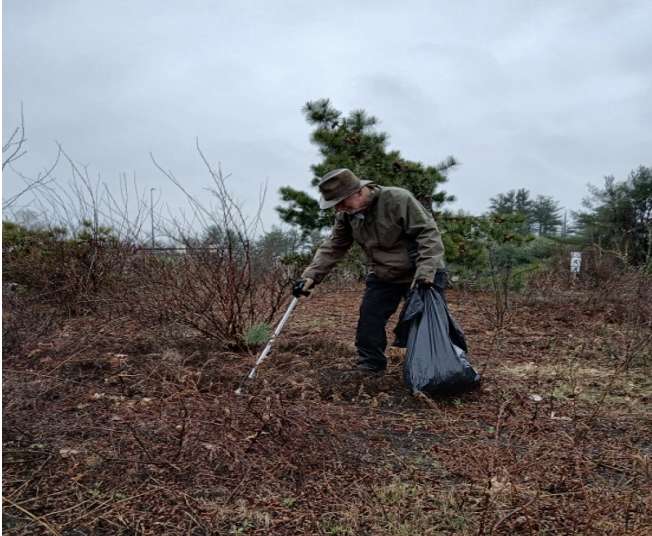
265,352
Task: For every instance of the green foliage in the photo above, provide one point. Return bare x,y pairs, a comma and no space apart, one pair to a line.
504,238
22,247
540,249
512,202
300,260
289,502
257,334
16,237
278,243
492,248
353,266
353,142
96,234
477,245
544,215
303,211
69,272
540,215
463,242
504,229
619,217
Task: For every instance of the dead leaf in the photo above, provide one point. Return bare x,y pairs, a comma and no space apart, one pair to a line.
68,453
498,486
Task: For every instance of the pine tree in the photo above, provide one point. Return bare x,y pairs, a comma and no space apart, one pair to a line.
545,215
353,142
619,216
514,202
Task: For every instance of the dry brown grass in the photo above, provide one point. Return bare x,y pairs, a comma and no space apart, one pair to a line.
110,428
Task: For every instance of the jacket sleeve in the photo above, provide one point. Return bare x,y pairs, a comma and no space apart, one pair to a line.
419,224
330,251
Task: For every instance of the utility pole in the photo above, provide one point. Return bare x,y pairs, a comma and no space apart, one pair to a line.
151,212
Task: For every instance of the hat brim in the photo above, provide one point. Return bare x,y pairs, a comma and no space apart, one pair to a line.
325,205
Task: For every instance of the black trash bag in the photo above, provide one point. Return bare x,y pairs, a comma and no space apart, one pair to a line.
455,331
436,348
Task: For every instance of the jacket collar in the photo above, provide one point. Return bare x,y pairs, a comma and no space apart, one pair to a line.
373,196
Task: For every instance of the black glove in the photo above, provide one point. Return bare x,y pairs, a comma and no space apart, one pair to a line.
301,286
440,283
423,283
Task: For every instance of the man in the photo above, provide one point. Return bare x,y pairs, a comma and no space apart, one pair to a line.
402,244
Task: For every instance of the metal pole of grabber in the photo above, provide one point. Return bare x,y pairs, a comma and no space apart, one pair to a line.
265,352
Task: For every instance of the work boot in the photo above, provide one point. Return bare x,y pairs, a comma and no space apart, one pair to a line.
363,370
368,368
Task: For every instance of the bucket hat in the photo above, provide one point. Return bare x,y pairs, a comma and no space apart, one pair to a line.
337,185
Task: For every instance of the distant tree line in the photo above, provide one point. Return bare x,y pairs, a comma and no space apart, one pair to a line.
541,215
616,217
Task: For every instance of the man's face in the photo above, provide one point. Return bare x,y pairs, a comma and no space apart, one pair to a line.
354,203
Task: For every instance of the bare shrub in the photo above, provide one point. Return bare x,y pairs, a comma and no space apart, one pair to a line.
624,297
82,204
605,282
217,294
600,268
24,319
81,236
13,149
87,258
221,285
608,287
73,274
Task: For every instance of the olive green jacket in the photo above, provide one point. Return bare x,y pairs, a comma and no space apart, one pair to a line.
399,236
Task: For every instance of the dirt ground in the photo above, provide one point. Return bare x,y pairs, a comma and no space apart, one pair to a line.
112,429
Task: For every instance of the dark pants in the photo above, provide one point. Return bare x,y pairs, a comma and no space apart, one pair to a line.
380,301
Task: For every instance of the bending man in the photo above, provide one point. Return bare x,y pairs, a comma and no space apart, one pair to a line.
401,241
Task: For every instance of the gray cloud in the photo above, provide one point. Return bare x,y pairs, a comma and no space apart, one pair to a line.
542,95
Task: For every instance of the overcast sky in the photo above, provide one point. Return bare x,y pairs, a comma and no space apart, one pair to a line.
546,95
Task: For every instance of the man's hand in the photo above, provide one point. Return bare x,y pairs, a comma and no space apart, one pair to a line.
301,287
440,281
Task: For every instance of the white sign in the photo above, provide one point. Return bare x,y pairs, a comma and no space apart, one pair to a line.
575,262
